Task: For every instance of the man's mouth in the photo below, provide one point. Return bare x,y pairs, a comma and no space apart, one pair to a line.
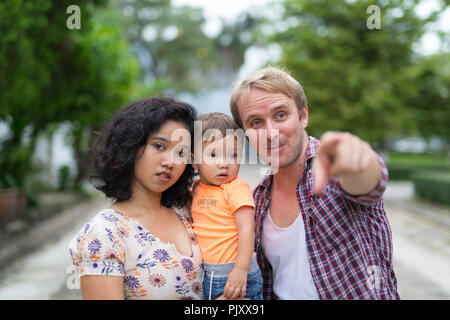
274,149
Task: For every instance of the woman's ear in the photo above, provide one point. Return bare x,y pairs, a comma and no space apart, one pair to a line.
194,165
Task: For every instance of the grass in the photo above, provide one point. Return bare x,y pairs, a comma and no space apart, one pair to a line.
417,158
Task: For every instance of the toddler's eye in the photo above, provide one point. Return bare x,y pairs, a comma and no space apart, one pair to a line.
212,154
233,155
181,153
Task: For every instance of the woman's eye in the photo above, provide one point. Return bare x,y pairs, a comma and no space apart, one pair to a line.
158,146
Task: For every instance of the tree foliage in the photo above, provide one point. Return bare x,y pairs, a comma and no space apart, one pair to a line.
170,42
50,74
369,82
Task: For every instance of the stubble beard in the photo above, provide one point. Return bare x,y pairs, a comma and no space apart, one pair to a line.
298,149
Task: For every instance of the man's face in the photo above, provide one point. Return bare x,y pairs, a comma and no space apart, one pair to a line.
261,112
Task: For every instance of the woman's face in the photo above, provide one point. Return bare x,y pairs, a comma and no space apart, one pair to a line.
161,162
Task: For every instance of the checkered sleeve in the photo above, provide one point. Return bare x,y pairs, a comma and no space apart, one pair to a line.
372,197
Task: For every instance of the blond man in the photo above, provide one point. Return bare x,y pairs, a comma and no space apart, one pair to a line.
320,225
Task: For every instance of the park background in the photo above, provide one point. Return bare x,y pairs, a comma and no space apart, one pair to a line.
58,85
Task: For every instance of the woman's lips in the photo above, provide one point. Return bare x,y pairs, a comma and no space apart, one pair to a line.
163,177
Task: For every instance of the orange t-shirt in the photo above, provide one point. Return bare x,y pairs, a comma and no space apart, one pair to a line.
214,224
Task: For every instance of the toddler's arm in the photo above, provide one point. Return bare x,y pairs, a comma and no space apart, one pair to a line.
237,279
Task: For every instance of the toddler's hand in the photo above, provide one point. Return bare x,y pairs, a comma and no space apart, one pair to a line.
236,284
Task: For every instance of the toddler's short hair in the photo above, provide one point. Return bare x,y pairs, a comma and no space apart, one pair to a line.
216,120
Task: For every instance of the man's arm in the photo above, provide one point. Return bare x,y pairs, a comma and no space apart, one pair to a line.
349,158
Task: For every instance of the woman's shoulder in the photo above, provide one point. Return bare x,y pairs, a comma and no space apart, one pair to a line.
184,212
98,247
104,222
106,218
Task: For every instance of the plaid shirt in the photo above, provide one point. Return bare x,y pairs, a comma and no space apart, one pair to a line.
348,238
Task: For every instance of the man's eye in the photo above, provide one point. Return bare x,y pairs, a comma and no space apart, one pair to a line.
281,115
255,123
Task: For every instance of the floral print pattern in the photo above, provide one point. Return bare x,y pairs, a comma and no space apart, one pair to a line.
117,245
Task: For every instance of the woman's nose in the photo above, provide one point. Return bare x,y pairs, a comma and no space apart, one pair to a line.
169,160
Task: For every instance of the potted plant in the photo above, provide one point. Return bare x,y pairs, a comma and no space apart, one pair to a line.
12,200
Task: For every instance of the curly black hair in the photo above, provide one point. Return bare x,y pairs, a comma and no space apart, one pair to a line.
114,151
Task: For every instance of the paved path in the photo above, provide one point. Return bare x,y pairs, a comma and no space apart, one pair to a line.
44,272
421,243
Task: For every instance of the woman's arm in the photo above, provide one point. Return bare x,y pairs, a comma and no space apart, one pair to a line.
237,279
102,287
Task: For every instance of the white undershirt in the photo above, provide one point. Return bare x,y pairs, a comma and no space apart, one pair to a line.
285,249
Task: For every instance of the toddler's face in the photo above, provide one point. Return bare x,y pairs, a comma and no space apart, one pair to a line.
220,161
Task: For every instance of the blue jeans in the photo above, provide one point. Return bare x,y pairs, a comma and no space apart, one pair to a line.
216,276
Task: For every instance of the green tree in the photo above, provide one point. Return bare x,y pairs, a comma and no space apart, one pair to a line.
50,74
235,38
355,79
431,99
170,41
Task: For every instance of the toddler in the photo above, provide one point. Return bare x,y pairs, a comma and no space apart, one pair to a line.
223,213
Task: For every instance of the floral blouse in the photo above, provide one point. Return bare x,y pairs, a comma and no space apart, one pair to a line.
116,245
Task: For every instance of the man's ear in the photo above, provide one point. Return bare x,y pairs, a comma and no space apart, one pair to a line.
304,118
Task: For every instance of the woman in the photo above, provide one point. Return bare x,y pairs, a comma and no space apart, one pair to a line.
142,246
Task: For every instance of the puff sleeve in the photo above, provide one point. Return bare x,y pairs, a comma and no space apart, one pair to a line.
97,248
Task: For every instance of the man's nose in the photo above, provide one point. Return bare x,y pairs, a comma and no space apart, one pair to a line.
272,131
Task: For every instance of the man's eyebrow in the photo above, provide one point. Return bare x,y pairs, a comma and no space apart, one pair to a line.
281,106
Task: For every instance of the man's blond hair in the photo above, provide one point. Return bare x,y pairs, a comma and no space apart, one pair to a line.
271,79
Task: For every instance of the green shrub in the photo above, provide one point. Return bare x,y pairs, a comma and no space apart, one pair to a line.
63,178
432,185
405,171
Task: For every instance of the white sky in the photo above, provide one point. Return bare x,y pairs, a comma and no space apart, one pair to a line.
230,9
227,9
